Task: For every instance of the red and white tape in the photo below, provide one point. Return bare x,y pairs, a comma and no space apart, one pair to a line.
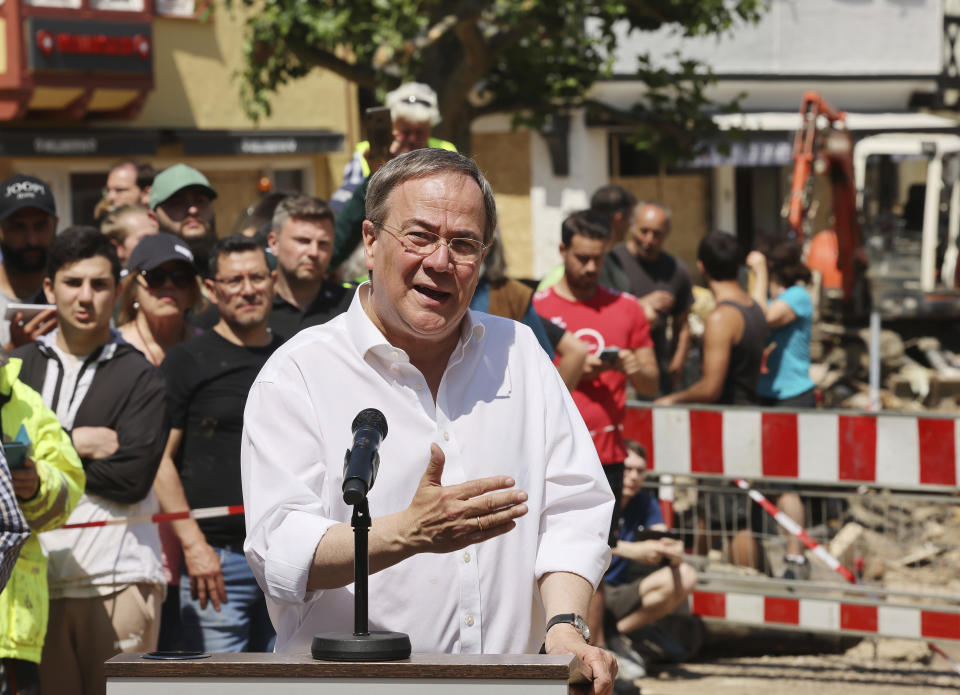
204,513
795,529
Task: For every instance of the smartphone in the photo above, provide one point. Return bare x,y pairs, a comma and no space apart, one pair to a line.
28,310
379,131
16,454
609,354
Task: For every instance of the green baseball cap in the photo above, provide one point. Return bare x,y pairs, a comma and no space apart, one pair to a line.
176,178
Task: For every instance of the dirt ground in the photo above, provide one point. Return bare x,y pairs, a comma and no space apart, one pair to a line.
803,675
746,661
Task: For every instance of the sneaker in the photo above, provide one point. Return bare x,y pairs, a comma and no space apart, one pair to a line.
630,665
796,568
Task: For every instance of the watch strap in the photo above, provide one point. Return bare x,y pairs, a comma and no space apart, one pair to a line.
572,618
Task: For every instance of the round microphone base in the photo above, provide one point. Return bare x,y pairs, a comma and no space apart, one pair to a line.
374,646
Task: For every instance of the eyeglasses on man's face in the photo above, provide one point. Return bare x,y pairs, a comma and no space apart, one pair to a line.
421,242
236,283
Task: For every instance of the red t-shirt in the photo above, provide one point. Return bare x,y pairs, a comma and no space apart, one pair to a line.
608,319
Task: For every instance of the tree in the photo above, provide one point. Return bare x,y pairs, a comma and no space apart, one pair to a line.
528,58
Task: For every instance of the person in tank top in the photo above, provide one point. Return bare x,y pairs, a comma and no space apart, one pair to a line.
735,335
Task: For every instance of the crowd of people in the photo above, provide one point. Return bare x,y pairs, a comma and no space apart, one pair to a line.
132,345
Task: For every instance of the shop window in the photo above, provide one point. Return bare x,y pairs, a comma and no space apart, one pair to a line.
117,5
627,160
187,9
61,4
86,190
288,179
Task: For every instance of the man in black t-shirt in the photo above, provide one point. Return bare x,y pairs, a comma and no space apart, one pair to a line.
661,284
208,377
301,238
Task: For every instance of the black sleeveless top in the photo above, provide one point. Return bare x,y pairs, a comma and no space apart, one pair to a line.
746,357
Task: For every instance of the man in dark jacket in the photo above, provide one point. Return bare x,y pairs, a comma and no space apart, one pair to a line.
106,583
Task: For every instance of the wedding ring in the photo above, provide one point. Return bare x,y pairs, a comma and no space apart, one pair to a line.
479,524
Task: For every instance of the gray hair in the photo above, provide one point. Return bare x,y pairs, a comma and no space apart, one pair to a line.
415,102
657,204
421,164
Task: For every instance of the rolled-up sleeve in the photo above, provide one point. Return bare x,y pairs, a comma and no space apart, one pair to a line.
578,503
283,480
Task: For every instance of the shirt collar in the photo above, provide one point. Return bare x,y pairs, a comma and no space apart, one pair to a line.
366,336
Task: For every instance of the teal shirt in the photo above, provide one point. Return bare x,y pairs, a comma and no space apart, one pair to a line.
788,366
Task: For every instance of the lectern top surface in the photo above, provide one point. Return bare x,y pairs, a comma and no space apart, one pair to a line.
287,665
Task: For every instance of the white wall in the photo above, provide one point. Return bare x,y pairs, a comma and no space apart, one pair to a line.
813,37
553,198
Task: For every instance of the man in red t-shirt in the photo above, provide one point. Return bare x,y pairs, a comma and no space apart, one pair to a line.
614,326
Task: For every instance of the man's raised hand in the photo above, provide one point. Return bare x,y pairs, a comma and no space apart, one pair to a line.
441,519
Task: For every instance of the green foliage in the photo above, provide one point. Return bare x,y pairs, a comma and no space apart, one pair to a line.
529,58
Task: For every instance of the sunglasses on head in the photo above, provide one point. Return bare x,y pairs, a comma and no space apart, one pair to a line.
157,277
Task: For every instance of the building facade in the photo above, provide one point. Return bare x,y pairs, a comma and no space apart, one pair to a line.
85,83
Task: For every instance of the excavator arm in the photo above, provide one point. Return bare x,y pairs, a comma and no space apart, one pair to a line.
823,145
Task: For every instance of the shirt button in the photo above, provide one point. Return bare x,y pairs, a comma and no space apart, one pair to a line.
446,436
418,387
466,557
395,355
469,621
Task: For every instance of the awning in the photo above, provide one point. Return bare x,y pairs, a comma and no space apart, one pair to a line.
752,153
138,143
272,142
78,143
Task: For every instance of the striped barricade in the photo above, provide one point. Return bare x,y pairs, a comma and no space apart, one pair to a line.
817,447
826,615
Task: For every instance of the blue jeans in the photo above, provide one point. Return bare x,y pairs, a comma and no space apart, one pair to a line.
242,623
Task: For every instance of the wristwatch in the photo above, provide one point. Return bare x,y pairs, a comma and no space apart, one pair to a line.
574,620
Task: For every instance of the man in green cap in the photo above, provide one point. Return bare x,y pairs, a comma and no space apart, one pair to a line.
182,199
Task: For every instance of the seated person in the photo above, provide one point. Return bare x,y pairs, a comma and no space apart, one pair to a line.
647,579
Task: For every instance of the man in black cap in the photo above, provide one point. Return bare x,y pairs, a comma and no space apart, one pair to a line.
28,222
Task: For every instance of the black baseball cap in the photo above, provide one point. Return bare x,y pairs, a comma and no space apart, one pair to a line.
21,191
156,249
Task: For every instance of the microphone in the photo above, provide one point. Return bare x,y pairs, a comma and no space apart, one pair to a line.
361,462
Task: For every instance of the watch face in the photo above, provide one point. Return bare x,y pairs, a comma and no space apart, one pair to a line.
581,625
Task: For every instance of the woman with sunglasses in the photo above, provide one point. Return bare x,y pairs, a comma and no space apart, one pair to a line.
160,288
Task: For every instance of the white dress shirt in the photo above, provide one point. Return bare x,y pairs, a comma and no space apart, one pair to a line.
501,408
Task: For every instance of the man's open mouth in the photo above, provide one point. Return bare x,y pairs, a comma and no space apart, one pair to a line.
436,295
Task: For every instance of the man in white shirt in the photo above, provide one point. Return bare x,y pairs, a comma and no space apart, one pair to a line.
490,510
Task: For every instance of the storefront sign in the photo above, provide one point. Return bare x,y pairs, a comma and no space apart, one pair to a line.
69,45
34,143
260,142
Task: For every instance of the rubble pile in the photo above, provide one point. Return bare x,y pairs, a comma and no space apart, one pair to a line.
916,374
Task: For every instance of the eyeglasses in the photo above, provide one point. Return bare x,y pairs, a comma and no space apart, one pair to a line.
235,284
157,278
420,242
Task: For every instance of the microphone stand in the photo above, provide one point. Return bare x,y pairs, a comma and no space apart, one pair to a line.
362,645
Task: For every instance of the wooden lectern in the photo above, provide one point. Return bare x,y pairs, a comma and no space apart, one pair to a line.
296,674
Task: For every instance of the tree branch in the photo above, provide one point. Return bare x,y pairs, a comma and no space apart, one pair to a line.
363,75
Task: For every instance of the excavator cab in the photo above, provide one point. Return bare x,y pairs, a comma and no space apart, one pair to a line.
908,197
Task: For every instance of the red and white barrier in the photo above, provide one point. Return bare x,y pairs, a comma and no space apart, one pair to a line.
204,513
816,447
824,615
